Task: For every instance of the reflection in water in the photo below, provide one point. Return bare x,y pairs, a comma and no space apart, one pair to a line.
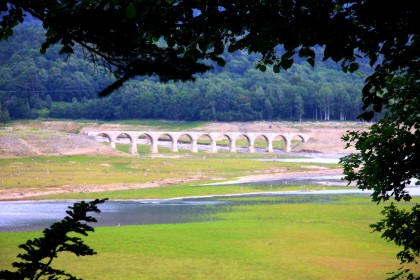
37,215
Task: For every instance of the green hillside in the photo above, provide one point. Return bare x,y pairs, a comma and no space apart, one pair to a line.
58,86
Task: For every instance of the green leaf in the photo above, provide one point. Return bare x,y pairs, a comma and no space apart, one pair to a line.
131,11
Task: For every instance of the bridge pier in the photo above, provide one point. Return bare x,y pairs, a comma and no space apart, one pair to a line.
154,147
288,140
270,145
232,147
213,146
194,147
174,146
133,147
213,142
251,143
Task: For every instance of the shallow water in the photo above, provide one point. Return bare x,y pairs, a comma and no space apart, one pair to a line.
37,215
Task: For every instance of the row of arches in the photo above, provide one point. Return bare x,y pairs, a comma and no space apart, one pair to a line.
212,142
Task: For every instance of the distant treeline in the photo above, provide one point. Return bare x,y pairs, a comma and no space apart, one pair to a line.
57,86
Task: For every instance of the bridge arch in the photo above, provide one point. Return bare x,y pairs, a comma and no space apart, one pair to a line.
162,137
221,141
185,139
261,141
212,147
111,139
279,141
130,139
301,138
144,138
238,137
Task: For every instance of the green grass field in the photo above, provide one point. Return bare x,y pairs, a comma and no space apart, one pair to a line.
297,239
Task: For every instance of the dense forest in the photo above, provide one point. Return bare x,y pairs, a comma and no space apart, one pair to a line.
58,86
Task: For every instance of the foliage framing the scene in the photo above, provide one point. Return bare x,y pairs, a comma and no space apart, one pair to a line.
173,39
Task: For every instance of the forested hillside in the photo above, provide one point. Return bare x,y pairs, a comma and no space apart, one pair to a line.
57,86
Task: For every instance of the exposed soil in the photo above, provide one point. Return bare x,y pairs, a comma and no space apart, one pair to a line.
57,138
28,143
16,194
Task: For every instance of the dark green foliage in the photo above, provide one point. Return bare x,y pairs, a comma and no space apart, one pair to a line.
389,160
4,115
59,237
389,154
175,39
402,227
50,82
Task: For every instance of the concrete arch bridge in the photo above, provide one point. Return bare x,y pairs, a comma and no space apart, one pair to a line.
213,137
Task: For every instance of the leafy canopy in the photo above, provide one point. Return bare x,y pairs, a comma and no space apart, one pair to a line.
173,39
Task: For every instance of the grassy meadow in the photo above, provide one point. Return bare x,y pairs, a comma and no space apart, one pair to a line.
296,239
